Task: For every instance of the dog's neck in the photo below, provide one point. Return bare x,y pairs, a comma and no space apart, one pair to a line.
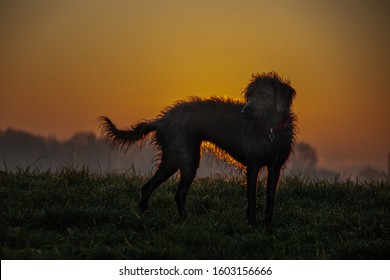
282,124
279,122
272,128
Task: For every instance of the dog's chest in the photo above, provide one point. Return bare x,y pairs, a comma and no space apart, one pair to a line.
269,146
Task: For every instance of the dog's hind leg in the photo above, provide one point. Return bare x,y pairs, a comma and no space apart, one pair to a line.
187,175
189,163
164,171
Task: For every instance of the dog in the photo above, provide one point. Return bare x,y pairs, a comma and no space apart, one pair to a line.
256,132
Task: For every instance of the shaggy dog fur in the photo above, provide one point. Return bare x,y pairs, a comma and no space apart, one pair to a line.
257,132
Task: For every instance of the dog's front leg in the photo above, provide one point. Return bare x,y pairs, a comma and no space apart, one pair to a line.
272,182
251,181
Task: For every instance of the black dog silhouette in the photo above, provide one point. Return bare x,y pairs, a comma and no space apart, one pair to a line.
256,132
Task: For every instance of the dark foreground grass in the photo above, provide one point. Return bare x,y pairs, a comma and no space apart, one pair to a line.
76,214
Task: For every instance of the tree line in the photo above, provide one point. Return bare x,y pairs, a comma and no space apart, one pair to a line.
20,149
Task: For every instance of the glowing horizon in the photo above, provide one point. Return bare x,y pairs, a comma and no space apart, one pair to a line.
63,64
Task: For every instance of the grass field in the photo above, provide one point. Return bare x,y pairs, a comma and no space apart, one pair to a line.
76,214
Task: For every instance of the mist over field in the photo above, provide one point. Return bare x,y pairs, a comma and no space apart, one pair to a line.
20,149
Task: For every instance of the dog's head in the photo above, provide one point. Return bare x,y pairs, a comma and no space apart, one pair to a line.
268,98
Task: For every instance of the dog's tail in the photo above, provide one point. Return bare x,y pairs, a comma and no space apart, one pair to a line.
125,138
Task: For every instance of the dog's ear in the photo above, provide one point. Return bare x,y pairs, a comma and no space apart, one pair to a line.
250,89
285,96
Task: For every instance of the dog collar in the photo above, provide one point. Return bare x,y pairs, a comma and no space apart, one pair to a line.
280,126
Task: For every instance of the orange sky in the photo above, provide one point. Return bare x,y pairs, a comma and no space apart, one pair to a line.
63,63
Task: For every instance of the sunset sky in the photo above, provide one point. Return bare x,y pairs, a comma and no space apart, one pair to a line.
64,63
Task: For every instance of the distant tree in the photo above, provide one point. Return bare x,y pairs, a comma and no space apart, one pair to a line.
304,159
19,148
370,173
